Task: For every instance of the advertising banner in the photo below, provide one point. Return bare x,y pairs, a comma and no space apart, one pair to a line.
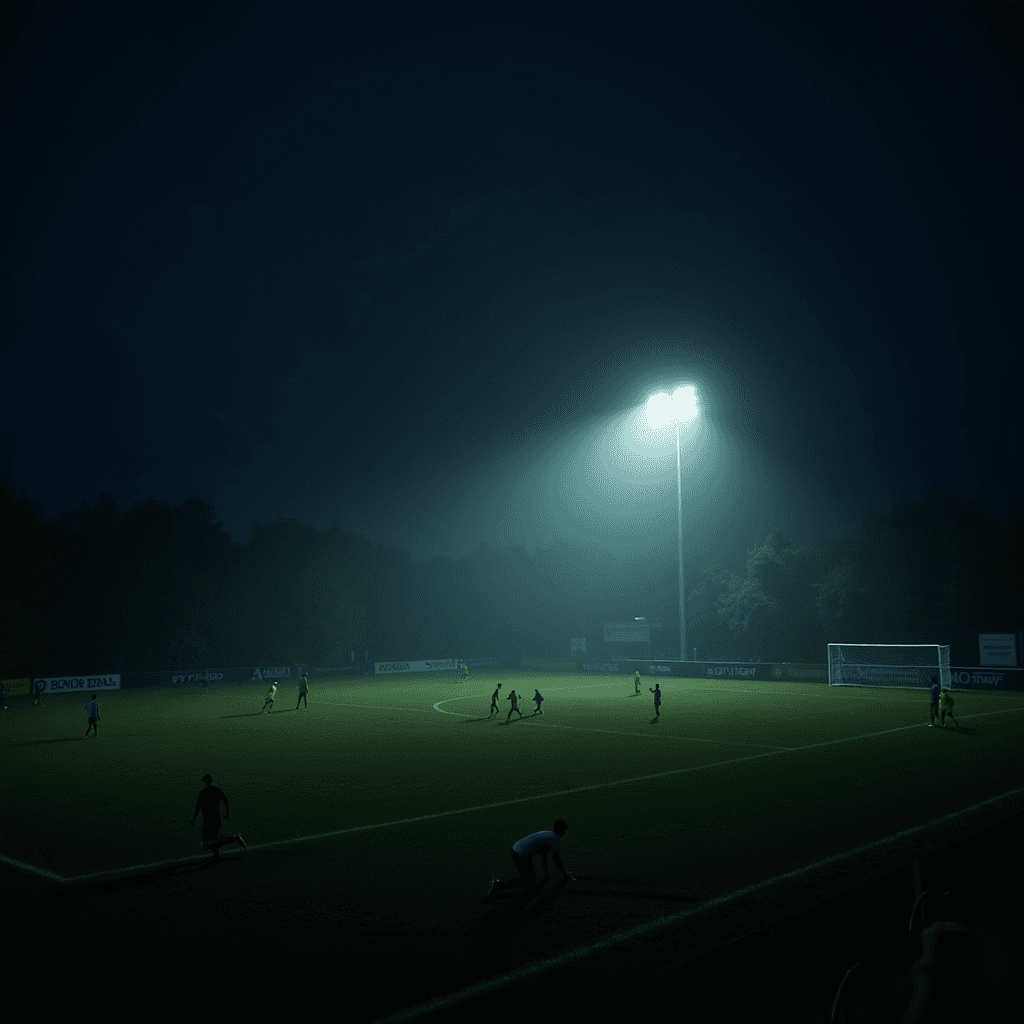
987,678
997,649
384,668
78,684
800,673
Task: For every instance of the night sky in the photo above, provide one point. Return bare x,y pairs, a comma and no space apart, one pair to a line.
416,273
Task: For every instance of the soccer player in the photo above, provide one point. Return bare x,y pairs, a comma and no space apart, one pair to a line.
37,689
636,683
303,690
268,704
204,682
657,700
537,699
494,701
208,804
92,713
935,690
523,851
946,703
515,705
3,696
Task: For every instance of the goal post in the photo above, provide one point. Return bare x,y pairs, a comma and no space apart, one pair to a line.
891,665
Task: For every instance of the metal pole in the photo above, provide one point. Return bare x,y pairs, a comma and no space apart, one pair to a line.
682,592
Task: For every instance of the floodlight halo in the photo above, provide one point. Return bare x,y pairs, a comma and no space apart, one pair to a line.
684,403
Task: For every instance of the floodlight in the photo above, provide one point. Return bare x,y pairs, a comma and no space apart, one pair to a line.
659,410
681,407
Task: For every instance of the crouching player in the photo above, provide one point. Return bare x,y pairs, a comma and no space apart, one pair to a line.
523,852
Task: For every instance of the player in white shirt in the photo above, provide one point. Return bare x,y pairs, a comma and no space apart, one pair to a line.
268,704
523,851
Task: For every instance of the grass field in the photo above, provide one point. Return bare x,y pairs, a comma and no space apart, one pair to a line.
376,816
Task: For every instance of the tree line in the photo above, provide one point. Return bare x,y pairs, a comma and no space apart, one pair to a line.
162,587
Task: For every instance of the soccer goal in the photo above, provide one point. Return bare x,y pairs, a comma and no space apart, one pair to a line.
897,665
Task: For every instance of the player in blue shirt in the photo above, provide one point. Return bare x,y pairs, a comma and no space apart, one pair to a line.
494,701
935,691
92,712
537,699
657,700
523,851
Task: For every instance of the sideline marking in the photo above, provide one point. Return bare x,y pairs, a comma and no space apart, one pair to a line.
516,800
31,869
484,987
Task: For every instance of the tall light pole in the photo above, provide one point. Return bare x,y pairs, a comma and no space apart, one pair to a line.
680,407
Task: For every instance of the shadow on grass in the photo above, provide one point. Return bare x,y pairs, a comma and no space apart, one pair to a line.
259,714
140,879
514,909
56,739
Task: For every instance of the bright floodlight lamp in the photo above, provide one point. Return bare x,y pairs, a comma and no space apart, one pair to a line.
679,407
663,410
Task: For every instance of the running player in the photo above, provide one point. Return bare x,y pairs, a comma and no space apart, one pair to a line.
494,701
208,804
537,699
515,705
268,704
303,690
636,682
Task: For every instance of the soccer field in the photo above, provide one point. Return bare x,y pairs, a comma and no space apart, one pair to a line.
376,816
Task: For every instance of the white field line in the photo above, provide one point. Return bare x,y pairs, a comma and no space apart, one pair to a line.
509,803
485,987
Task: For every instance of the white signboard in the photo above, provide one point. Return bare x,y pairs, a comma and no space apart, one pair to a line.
997,649
627,632
78,684
386,668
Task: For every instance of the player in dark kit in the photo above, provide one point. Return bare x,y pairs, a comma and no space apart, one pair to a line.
934,694
494,701
92,714
657,700
208,804
514,697
636,682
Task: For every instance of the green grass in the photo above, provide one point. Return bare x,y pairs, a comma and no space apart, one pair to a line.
389,802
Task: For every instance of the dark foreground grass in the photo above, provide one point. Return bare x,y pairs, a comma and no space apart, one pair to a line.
376,817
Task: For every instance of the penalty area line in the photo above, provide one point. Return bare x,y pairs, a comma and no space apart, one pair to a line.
486,987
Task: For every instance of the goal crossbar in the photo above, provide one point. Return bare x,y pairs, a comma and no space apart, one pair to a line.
889,665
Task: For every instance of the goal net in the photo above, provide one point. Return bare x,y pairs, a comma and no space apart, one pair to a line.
888,665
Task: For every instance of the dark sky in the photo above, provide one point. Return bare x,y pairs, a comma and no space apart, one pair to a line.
417,273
